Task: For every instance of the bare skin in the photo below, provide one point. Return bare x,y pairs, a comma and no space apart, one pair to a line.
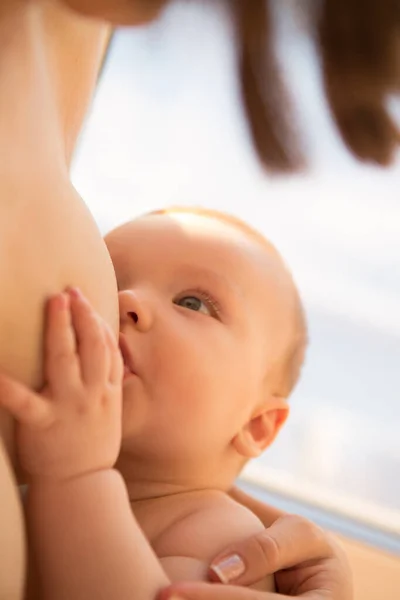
49,63
50,56
39,123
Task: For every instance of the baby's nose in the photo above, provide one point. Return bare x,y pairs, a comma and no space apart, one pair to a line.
134,309
134,316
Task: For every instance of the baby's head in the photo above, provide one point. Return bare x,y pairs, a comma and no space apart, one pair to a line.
213,330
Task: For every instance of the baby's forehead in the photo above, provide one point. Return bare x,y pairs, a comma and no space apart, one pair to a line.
209,250
187,229
188,237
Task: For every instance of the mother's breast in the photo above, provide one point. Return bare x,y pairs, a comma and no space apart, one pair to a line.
48,240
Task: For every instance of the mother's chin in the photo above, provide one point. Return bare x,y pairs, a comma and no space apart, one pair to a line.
119,12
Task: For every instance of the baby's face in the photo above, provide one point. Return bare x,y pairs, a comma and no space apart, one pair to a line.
203,312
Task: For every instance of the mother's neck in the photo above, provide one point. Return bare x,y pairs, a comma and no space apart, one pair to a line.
49,64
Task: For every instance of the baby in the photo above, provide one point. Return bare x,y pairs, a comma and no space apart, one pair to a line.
212,336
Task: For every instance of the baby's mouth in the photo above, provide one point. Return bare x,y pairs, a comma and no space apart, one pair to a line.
127,371
127,357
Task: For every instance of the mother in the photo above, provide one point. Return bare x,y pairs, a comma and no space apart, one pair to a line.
50,58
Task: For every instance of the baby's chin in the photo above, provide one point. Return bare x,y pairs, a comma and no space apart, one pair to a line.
134,415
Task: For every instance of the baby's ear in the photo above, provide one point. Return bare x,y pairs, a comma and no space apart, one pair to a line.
262,428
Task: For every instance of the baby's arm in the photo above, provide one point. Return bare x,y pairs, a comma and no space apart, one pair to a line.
87,544
84,538
187,548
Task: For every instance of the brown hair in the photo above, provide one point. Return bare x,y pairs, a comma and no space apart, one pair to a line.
359,44
285,373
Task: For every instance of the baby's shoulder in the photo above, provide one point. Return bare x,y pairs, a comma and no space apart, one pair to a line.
214,522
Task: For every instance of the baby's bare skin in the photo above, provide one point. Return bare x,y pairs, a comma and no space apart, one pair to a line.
168,522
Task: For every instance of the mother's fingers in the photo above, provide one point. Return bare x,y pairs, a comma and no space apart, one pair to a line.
291,540
207,591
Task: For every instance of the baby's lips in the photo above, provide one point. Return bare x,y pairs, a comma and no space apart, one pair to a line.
126,355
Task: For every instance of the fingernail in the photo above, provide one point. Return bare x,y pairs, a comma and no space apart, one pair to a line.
75,293
229,568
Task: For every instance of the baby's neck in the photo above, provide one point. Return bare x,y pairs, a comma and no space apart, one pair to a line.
28,113
162,493
150,480
154,486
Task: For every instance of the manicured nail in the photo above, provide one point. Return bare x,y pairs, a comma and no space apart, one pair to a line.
229,568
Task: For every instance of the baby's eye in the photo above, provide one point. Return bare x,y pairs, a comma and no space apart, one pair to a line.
193,303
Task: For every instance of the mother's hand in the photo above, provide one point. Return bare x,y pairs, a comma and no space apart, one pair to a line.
307,562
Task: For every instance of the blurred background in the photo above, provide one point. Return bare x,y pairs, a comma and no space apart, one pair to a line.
166,128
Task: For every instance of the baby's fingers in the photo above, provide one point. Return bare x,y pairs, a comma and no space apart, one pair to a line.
61,360
25,406
116,362
92,346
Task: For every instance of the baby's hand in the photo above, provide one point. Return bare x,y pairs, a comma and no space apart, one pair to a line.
73,427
